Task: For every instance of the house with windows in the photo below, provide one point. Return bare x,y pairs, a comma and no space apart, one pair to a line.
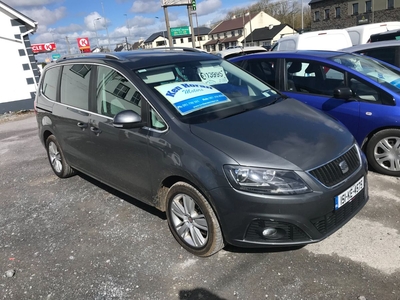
20,74
331,14
160,39
233,32
267,36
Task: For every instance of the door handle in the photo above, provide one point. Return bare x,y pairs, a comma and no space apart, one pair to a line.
95,130
82,125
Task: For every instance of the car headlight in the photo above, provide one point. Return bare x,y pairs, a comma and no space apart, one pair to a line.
266,181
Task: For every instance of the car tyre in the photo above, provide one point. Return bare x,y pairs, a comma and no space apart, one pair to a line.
192,220
56,158
383,152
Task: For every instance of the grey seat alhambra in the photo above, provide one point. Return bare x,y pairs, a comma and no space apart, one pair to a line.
227,157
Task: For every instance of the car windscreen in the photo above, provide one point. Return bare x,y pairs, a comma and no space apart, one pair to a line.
371,68
201,91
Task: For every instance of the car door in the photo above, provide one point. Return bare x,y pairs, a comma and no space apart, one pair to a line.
121,155
376,106
313,83
71,115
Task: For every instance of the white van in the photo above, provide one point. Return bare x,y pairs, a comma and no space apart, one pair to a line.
332,39
360,34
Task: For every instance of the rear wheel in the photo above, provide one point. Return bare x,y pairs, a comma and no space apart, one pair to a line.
56,158
192,220
383,152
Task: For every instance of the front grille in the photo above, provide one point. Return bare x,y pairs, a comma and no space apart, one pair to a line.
335,219
331,173
292,232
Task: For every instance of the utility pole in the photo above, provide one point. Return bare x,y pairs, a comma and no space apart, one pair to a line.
69,46
189,8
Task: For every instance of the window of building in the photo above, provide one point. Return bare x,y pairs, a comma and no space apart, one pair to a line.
355,8
316,16
327,14
390,4
337,12
75,85
240,31
190,40
225,34
368,6
232,33
181,41
174,41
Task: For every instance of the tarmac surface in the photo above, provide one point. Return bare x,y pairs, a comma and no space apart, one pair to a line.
78,239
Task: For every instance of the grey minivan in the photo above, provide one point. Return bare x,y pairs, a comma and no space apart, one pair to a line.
228,158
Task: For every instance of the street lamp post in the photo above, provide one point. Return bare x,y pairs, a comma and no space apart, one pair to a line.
105,25
163,34
129,31
95,30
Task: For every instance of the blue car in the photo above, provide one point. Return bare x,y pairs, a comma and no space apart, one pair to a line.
361,92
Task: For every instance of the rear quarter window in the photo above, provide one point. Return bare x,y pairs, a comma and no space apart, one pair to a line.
49,83
75,85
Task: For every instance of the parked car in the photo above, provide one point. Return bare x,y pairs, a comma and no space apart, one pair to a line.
228,158
239,51
387,51
361,34
386,36
361,92
332,39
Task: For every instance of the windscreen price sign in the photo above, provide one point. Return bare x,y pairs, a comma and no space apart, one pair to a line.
83,43
43,48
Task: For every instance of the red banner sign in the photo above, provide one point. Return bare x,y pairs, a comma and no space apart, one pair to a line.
83,43
42,48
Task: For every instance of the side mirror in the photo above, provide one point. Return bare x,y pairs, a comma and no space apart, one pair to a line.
128,119
343,93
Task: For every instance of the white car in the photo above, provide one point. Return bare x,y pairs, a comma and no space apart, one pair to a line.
239,51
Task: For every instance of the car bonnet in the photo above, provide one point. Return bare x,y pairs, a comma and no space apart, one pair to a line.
284,135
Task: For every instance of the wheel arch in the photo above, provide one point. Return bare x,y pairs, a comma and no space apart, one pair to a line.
167,183
372,133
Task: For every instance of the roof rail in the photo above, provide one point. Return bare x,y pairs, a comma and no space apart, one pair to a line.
93,55
188,49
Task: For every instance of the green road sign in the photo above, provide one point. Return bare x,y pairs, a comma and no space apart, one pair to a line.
55,56
178,31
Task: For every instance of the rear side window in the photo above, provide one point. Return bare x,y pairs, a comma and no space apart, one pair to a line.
49,83
387,54
75,85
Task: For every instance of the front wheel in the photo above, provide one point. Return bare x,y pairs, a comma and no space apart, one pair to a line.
383,152
192,220
56,158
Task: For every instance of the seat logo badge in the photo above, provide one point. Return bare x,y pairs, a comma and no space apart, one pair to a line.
344,167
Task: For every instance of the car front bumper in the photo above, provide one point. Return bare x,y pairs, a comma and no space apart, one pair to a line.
288,220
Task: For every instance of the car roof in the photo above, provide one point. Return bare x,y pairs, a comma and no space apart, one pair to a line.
373,45
299,53
142,58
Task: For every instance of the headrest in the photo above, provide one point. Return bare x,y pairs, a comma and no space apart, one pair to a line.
295,67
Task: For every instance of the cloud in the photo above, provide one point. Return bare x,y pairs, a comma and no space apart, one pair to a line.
141,6
45,16
207,7
29,3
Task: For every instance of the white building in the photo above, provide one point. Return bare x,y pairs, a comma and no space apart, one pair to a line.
238,32
20,74
160,39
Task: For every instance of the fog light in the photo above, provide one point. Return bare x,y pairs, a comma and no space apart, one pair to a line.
269,232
